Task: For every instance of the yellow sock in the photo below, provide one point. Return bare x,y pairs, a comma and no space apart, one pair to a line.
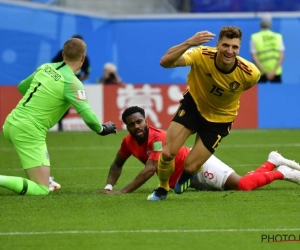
164,171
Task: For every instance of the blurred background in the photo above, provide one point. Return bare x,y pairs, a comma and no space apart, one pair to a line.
134,34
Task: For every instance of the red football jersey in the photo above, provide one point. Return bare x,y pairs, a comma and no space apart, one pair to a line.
151,149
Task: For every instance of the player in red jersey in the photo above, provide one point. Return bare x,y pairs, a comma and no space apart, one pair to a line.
145,143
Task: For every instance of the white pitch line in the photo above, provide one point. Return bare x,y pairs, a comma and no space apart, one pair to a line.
154,231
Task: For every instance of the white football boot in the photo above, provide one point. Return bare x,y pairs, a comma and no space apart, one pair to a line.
53,186
289,174
277,159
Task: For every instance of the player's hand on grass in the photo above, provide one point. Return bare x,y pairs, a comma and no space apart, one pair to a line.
104,191
108,128
115,192
107,191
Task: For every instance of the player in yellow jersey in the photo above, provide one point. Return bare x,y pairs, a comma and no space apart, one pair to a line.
217,78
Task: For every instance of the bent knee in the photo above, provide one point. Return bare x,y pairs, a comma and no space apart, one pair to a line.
192,169
167,155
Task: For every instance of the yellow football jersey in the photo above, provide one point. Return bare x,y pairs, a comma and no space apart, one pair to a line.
217,93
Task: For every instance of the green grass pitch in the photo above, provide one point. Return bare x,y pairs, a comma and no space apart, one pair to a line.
78,218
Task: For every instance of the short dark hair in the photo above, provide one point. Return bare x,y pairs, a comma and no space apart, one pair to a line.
73,49
131,110
230,32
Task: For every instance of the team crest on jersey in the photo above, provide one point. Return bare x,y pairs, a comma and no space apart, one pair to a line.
234,86
81,94
181,112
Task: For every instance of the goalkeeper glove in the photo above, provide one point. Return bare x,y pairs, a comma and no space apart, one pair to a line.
108,128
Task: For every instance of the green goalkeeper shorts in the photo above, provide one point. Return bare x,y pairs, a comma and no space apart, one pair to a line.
31,150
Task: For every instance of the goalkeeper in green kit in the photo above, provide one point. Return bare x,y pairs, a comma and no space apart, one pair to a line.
47,94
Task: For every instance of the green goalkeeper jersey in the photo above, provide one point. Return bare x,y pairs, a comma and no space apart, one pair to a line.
47,94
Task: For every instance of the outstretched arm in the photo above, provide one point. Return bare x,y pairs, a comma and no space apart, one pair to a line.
115,169
142,177
76,96
173,57
138,181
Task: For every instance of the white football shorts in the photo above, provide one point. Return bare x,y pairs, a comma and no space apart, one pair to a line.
212,176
